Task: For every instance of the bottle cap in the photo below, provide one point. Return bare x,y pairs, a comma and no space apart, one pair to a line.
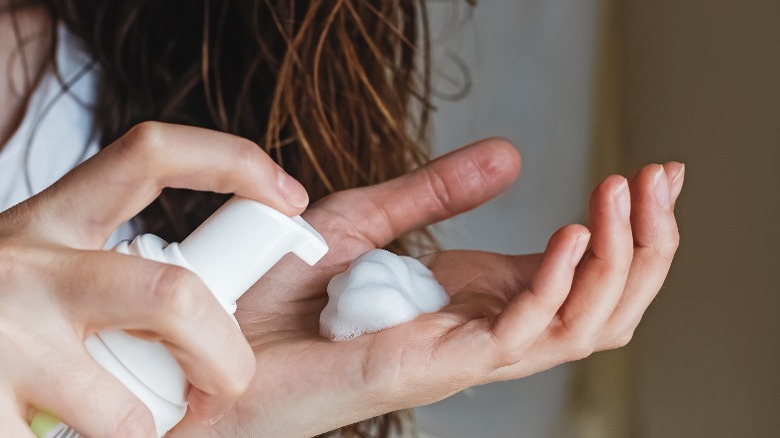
244,239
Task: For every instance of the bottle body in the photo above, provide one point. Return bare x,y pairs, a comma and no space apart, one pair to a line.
230,251
145,368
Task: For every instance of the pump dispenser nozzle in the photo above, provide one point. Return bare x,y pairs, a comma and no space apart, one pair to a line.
241,241
230,251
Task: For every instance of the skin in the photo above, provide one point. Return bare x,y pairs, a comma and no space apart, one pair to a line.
510,316
59,287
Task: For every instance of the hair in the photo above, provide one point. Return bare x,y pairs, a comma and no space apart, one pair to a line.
337,92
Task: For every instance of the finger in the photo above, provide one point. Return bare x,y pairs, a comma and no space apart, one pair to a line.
371,217
450,185
11,420
601,278
655,242
89,399
529,313
114,185
169,304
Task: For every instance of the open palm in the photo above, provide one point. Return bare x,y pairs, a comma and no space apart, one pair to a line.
509,316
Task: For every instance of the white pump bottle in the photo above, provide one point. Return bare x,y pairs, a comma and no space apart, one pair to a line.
230,251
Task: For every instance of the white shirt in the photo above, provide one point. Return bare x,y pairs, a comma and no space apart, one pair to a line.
56,132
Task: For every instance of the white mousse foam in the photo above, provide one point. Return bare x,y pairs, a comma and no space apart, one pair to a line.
379,290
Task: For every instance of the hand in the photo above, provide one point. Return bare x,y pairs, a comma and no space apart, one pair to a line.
510,316
57,287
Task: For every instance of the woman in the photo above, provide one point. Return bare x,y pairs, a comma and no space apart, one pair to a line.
337,94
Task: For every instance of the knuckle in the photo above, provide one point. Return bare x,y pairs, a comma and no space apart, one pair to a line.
621,341
438,188
580,349
673,241
247,157
247,152
506,353
173,291
145,140
507,357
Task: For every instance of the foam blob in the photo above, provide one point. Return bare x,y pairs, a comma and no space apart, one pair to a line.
379,290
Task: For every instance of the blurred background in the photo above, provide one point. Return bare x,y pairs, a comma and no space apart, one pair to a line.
592,87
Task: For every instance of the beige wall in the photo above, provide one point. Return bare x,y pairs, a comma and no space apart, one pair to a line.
531,66
703,86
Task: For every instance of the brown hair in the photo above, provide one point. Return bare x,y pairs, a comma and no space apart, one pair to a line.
338,91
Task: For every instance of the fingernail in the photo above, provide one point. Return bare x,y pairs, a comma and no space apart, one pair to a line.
579,248
292,190
661,187
677,183
623,200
